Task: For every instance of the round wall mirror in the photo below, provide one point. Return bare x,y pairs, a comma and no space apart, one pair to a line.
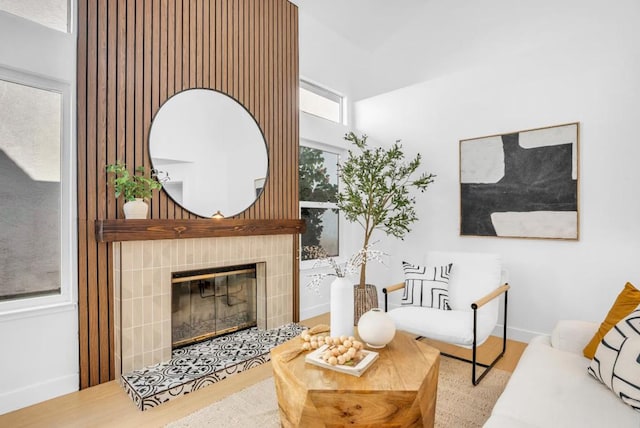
213,151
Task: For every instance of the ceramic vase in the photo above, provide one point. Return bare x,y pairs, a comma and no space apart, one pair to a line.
341,302
376,328
137,208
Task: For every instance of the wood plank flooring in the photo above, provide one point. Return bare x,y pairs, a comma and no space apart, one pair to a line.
107,405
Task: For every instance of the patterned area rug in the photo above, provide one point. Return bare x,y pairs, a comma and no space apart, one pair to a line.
459,404
196,366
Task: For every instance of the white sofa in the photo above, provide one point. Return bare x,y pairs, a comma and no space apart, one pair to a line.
550,387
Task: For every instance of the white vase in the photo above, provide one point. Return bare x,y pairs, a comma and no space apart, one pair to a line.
376,328
137,208
341,307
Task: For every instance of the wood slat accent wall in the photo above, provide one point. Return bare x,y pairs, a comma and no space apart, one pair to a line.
132,56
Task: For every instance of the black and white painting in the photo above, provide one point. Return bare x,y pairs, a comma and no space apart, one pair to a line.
522,184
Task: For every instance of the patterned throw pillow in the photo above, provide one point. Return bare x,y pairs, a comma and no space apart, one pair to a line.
426,286
617,360
625,303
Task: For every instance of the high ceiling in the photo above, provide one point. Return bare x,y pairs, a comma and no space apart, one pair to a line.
366,23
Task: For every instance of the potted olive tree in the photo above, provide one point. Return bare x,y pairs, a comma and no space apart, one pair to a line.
376,184
134,188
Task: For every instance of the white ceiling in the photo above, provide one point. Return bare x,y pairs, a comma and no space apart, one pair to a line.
366,23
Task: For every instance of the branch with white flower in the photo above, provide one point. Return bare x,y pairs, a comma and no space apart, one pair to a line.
339,270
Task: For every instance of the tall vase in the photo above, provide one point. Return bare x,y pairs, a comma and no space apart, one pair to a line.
137,208
341,307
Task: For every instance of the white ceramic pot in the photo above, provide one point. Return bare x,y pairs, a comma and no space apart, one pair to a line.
341,307
136,209
376,328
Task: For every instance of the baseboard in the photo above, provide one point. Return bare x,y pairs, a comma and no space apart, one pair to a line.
314,311
36,393
519,334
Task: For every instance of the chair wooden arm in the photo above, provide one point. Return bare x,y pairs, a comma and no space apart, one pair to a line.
489,297
398,286
387,290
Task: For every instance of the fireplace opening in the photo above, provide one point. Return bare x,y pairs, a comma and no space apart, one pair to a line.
211,302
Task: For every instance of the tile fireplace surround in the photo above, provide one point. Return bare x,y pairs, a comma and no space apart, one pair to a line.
142,288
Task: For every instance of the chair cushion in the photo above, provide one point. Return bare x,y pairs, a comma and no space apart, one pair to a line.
426,286
617,360
452,326
473,275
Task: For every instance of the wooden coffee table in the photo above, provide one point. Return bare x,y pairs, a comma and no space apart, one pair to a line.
399,389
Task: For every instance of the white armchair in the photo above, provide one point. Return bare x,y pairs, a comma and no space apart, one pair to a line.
476,281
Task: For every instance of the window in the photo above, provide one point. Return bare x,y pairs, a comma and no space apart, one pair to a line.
318,200
321,102
30,175
38,236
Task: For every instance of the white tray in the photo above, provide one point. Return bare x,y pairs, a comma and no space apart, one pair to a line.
315,358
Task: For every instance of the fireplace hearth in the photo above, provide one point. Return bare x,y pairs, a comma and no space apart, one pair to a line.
198,365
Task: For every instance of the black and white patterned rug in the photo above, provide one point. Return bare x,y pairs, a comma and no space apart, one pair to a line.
199,365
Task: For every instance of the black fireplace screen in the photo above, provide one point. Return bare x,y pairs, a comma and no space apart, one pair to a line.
211,302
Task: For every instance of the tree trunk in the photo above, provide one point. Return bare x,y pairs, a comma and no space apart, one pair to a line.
363,266
363,271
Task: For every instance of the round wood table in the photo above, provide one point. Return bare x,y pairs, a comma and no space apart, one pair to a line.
397,390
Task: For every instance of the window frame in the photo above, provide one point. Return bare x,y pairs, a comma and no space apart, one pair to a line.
311,263
327,93
49,303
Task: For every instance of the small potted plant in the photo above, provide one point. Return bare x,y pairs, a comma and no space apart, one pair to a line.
134,188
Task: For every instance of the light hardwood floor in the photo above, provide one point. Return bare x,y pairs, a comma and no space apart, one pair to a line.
107,405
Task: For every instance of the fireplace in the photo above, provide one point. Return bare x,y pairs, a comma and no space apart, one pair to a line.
143,273
211,302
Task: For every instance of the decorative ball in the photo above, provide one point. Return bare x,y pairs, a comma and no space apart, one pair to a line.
376,328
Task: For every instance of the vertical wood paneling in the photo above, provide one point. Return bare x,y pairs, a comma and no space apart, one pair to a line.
81,138
106,262
156,69
132,56
294,135
91,177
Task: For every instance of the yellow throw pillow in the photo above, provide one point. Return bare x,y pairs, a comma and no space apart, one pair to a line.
626,302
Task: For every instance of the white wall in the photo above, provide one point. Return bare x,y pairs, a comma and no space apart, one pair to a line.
39,358
533,65
325,59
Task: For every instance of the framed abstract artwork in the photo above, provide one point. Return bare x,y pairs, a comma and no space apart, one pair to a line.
523,184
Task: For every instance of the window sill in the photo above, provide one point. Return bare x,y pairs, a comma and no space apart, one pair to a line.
37,311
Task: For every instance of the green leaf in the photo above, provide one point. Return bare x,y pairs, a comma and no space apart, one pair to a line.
131,186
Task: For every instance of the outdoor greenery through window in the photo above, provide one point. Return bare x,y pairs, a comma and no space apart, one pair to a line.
318,198
321,102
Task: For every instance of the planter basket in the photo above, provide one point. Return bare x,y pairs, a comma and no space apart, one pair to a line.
364,299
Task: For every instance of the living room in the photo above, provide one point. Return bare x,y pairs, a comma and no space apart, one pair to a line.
430,73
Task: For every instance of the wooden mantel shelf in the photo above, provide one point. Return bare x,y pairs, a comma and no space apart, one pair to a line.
143,230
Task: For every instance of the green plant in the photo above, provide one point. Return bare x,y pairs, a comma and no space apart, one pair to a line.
376,184
315,185
132,186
